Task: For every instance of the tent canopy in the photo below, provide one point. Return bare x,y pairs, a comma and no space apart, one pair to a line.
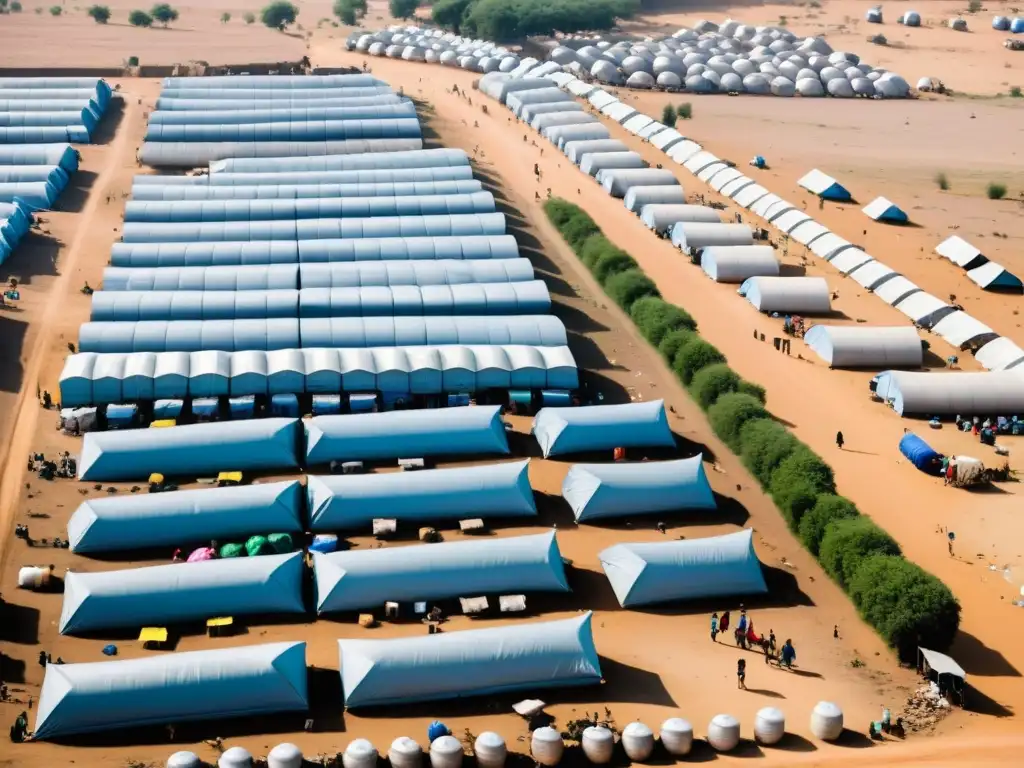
993,277
824,186
805,295
960,252
736,263
602,427
860,346
884,210
943,664
951,393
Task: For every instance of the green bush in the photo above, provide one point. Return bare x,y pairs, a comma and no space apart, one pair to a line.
803,462
577,229
225,17
626,288
249,18
995,191
403,9
656,318
730,412
512,20
279,15
56,10
140,19
797,483
164,14
559,211
711,382
449,13
99,13
592,249
847,542
668,115
693,357
908,606
754,390
675,341
827,508
685,110
764,444
15,7
610,263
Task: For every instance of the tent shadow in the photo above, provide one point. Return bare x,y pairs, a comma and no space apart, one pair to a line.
12,342
20,624
35,256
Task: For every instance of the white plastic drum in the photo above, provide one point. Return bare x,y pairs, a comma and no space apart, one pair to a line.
724,732
236,757
446,752
33,577
827,721
769,725
285,756
184,760
547,746
598,744
490,750
637,741
405,753
360,753
677,736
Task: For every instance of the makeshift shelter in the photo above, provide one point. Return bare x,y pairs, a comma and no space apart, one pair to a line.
195,449
602,427
443,157
561,134
618,182
689,569
886,211
952,393
192,335
963,331
575,149
393,434
599,491
942,669
367,177
182,592
285,113
133,306
999,355
245,681
350,502
920,454
995,277
592,162
246,277
520,298
960,252
661,217
804,295
358,332
637,197
825,187
367,578
866,347
480,662
737,263
690,236
272,190
361,274
137,521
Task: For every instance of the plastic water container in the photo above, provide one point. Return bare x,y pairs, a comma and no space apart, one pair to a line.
826,721
446,752
598,744
677,736
405,753
724,732
637,741
547,746
184,760
490,750
33,577
285,756
436,730
769,725
360,753
236,757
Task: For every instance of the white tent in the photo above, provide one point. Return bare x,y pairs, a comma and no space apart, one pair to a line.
871,274
602,427
999,355
861,346
736,263
951,393
804,295
962,331
960,252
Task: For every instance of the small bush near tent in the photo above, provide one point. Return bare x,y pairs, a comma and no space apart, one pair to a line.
847,542
826,509
730,413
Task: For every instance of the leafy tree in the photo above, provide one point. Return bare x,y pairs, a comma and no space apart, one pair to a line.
506,20
225,18
140,19
164,14
578,229
908,606
655,318
346,13
449,13
668,115
847,543
798,482
685,111
693,357
279,15
99,13
248,18
711,382
15,7
403,9
827,508
764,445
56,10
612,263
730,412
593,248
674,341
625,288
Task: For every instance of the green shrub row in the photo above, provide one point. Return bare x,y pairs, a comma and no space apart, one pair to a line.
906,605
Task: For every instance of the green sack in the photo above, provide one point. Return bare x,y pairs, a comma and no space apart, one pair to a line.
258,545
281,543
232,550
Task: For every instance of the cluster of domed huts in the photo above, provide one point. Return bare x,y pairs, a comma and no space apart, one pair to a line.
709,58
638,742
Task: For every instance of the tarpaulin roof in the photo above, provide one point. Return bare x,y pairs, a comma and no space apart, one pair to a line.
960,252
824,186
651,573
140,521
999,354
991,275
828,245
872,273
602,427
596,491
367,578
943,664
243,681
881,209
548,654
919,453
960,329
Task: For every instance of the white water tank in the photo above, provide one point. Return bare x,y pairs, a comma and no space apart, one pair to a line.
598,744
827,721
184,760
285,756
547,746
769,725
360,753
235,757
677,736
490,750
637,741
724,732
405,753
446,752
34,577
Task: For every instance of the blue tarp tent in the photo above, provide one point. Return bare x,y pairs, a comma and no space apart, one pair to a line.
172,688
131,522
648,574
549,654
182,592
596,491
825,187
345,502
881,209
920,454
195,449
602,427
357,579
405,434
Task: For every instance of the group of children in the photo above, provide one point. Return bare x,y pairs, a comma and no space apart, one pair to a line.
745,637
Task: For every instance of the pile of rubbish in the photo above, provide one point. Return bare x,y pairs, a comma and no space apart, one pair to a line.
924,709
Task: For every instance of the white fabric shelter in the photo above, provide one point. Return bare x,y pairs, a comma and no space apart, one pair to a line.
950,393
999,355
865,346
804,295
736,263
960,252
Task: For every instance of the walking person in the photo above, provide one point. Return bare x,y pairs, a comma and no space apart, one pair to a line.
714,627
788,654
741,674
840,440
723,624
771,640
951,538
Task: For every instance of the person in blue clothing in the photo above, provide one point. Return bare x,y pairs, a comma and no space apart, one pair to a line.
788,654
714,627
